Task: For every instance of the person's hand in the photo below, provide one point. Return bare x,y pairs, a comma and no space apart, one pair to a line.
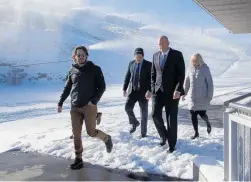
124,93
148,95
176,95
60,109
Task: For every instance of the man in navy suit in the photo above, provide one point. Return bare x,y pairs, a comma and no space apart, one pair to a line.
137,88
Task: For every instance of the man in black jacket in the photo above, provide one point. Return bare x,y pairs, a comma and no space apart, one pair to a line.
138,83
85,83
167,78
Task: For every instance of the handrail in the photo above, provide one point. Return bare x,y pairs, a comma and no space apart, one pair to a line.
236,99
240,107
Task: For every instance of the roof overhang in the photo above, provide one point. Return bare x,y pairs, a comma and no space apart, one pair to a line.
235,15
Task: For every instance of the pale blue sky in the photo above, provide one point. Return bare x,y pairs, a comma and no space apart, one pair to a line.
184,13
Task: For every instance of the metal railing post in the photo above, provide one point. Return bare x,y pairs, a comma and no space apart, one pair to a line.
231,125
232,135
226,145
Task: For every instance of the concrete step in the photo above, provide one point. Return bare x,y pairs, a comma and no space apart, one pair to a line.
21,166
207,169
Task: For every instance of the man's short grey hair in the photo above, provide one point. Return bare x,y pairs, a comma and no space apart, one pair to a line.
163,36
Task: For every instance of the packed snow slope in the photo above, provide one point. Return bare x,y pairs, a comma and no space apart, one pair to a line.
37,42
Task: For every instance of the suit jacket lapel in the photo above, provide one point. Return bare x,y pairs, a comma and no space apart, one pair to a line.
132,70
157,61
142,73
142,68
130,83
168,56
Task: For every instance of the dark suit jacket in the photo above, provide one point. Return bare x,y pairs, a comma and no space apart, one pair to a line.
173,74
145,77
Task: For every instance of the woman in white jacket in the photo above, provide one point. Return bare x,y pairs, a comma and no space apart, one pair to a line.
199,91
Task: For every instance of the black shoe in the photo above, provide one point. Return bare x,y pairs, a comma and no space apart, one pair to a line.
171,150
143,136
99,114
162,142
78,164
109,144
134,126
209,129
196,135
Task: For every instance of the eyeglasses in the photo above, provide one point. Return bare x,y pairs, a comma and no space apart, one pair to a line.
79,55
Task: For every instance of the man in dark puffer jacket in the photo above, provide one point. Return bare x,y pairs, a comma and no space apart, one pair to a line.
86,85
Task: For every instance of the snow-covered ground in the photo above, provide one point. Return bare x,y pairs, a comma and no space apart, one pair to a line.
28,121
28,118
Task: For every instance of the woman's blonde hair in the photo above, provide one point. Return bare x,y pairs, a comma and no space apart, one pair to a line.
198,59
